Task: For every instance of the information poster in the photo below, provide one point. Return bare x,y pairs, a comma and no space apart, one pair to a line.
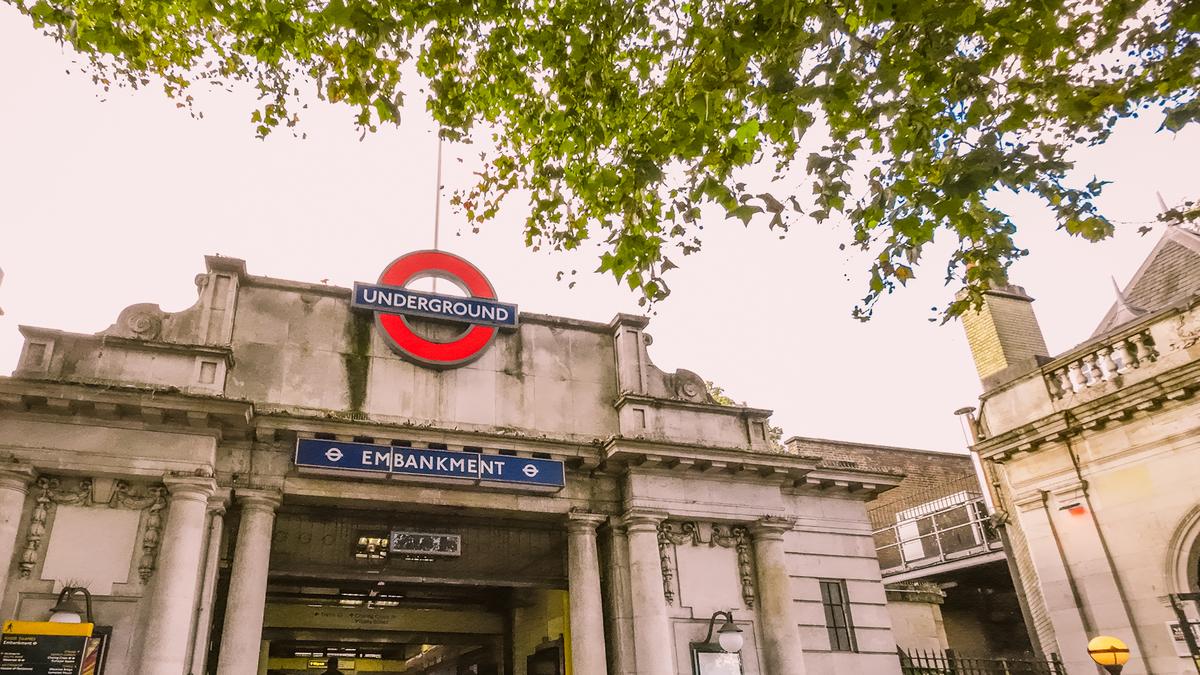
37,648
96,652
708,661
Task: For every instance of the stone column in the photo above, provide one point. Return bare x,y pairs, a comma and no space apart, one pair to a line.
1056,584
619,600
173,596
651,625
14,486
208,584
781,649
587,610
241,638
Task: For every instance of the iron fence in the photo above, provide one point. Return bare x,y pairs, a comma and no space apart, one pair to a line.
918,662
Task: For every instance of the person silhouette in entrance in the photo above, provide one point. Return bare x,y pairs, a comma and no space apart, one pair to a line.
331,667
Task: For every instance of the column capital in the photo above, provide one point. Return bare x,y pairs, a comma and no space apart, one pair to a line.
615,524
584,522
258,499
16,476
643,520
218,502
197,488
771,527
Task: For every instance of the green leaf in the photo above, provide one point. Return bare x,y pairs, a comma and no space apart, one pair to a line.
617,122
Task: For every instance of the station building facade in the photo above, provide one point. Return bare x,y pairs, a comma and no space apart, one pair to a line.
1094,454
162,464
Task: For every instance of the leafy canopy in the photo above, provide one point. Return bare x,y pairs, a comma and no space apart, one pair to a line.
622,118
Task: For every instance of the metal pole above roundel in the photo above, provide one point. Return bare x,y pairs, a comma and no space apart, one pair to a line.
462,350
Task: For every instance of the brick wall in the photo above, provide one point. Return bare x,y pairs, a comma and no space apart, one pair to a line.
1004,332
927,474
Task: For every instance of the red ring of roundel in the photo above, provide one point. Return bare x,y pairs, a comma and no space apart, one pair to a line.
444,354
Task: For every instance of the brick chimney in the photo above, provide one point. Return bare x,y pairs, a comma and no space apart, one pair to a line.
1004,335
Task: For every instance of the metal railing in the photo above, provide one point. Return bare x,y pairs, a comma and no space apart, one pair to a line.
917,662
952,527
884,514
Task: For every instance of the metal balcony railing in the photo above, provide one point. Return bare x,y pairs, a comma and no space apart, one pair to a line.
950,528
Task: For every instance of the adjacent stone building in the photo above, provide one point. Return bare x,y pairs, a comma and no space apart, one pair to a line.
1095,453
949,586
261,483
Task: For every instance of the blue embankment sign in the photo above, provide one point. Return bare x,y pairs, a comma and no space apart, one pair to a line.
403,301
462,465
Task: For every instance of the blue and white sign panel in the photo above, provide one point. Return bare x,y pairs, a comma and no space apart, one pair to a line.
480,468
484,311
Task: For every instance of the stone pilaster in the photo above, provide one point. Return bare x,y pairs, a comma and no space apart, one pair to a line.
619,600
781,649
587,609
241,638
208,583
15,479
651,625
173,595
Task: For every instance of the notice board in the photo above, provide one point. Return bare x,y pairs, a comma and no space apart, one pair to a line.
43,648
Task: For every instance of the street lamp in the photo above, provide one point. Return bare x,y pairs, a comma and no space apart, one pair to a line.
67,610
1109,652
729,636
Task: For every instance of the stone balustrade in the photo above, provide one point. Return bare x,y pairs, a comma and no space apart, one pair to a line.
1103,362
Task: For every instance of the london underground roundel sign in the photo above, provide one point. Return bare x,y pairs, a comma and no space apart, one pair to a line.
480,314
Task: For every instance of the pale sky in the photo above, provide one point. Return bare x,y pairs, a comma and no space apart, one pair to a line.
107,204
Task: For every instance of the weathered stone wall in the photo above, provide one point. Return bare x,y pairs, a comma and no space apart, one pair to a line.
208,404
1098,472
916,614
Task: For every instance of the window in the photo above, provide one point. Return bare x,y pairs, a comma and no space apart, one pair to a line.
837,616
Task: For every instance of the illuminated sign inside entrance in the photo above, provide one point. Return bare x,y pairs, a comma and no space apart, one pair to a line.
528,472
480,313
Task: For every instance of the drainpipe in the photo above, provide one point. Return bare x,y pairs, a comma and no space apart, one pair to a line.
1122,594
999,519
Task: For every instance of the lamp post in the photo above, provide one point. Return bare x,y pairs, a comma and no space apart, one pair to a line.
729,636
66,610
1109,652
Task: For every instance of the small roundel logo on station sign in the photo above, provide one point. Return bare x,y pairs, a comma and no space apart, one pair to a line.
480,313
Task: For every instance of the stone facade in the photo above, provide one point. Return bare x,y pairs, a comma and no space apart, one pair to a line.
1096,454
153,464
933,531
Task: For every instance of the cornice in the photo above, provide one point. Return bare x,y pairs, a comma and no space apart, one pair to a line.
224,352
234,419
796,474
108,404
1163,390
733,410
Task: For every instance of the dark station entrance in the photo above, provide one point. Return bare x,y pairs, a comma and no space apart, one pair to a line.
385,627
421,594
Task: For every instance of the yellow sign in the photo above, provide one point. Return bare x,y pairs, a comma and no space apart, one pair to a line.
14,627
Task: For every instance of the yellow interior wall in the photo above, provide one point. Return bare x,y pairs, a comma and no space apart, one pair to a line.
545,619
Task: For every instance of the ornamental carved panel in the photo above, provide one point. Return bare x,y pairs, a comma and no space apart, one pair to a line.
51,491
672,534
